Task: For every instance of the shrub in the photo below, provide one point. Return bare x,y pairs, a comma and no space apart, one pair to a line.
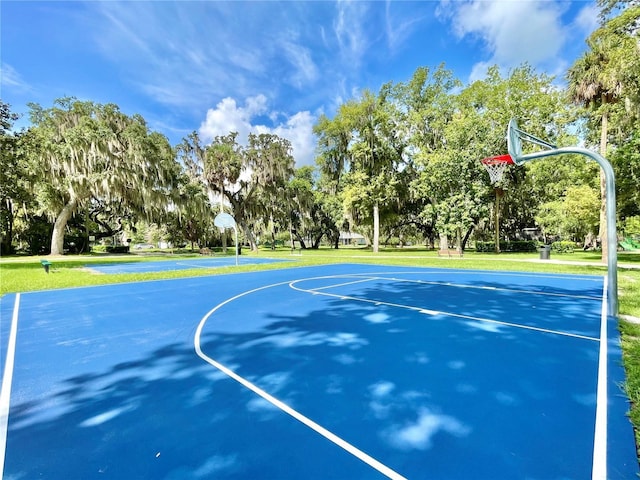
118,249
508,246
563,247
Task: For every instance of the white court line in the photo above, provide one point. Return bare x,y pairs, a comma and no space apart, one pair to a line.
435,312
300,417
599,470
343,284
210,265
372,462
493,273
499,289
5,390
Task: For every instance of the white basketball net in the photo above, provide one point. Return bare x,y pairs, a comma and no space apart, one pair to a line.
496,166
496,170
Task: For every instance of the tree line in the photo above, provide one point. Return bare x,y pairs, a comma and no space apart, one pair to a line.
402,162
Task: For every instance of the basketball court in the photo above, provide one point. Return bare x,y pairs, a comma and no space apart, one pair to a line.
182,264
341,371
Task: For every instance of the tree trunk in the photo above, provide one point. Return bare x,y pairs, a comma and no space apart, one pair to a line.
466,237
303,246
376,227
7,240
444,242
497,220
603,191
293,240
273,233
252,240
224,234
57,237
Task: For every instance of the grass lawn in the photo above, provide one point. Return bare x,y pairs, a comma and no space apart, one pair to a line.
22,274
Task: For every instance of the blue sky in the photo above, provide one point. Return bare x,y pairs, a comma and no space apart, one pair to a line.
267,66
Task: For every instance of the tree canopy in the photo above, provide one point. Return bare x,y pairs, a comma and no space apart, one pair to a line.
93,157
401,163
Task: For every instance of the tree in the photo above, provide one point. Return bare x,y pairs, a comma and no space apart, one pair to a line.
14,177
603,76
573,216
249,178
313,213
626,161
271,163
334,137
426,105
86,153
191,220
362,140
467,126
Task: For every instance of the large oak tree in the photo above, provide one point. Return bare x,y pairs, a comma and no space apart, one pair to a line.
86,153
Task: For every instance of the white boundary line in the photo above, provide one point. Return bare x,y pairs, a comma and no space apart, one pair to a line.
495,273
599,470
364,280
372,462
5,390
498,289
432,312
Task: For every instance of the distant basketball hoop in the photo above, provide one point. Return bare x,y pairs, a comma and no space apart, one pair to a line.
496,166
224,221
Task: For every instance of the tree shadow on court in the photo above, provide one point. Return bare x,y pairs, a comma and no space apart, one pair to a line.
410,386
417,391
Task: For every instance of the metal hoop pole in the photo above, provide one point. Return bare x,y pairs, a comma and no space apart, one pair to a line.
612,239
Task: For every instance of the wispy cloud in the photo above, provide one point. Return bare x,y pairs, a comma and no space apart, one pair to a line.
184,54
349,31
587,20
10,78
512,32
400,27
304,69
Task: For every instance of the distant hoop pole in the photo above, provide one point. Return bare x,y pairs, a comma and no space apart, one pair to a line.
496,166
514,139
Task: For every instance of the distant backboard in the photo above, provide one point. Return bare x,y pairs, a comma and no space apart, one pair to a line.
224,220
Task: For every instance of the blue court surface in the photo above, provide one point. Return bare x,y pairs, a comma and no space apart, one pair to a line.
182,264
328,372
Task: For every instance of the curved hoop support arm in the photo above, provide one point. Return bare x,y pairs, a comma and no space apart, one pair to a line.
533,139
612,239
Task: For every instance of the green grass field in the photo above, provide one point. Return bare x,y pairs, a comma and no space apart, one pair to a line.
22,274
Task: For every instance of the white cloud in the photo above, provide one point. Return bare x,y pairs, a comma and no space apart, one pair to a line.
228,116
348,28
399,28
9,77
588,19
479,71
513,32
305,70
298,129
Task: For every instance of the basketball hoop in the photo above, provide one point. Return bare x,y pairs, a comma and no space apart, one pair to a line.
496,166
